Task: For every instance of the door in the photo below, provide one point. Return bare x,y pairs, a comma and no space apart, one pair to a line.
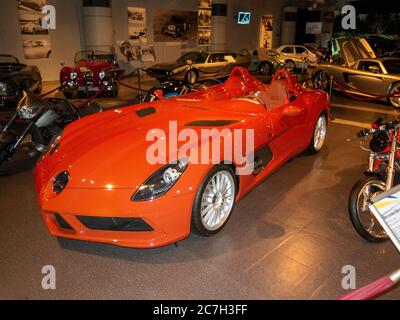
369,79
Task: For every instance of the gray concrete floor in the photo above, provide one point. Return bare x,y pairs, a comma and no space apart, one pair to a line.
288,239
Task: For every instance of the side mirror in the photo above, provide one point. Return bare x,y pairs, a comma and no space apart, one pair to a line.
159,94
292,111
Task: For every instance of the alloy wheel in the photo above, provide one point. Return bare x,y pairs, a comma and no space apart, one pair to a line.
367,219
320,133
217,200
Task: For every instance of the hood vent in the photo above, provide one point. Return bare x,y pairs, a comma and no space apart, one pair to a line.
210,123
145,112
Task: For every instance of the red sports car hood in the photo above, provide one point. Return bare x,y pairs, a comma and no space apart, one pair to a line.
95,66
109,148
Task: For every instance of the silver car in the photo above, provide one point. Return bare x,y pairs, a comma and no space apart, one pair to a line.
356,68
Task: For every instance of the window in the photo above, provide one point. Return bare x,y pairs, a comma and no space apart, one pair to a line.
287,50
216,57
300,50
195,57
366,66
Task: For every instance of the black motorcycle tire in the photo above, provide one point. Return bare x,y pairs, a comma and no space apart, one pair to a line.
353,210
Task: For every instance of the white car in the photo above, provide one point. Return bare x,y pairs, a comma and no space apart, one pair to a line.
297,56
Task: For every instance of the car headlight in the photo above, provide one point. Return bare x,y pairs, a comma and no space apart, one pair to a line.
25,110
3,89
102,75
161,181
73,75
60,182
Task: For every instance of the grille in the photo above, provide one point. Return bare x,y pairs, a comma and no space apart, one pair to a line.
114,224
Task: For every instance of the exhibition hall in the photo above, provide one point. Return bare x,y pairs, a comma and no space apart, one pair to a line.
179,150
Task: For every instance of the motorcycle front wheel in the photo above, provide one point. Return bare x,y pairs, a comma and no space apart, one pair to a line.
361,217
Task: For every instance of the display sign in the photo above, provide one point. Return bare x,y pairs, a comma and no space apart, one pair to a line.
386,209
313,27
244,17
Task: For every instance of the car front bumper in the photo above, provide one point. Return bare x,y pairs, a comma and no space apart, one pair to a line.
168,216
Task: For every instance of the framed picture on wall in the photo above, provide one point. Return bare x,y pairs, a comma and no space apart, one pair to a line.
137,26
266,32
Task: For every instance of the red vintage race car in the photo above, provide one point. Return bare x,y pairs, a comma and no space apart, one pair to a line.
94,71
120,177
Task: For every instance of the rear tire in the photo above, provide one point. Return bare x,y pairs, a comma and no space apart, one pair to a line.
214,201
360,215
290,65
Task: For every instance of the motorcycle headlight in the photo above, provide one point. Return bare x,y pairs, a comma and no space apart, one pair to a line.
25,110
102,75
161,181
3,89
73,75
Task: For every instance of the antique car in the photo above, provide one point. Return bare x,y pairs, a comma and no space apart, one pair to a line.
176,27
16,77
295,56
93,71
356,69
196,66
142,195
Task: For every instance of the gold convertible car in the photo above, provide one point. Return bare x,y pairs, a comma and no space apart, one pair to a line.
356,68
195,66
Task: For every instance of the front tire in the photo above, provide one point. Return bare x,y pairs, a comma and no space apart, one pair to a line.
395,101
319,134
191,77
361,217
266,68
214,201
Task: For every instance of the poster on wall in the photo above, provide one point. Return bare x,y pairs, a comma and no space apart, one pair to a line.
205,4
174,25
204,23
35,39
266,32
137,25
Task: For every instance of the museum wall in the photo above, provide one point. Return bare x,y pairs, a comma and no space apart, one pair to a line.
65,40
68,38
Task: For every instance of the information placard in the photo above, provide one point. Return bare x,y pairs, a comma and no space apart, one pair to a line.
386,209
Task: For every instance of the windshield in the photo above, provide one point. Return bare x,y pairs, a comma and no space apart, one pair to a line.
93,55
196,57
8,60
392,66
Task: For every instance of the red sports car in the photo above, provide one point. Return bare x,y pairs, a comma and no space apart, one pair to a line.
120,177
93,71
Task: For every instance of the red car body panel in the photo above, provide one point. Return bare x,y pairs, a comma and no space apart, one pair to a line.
105,155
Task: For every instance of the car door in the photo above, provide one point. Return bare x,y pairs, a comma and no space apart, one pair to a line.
368,77
286,128
213,66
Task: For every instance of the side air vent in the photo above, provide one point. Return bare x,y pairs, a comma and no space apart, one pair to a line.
210,123
145,112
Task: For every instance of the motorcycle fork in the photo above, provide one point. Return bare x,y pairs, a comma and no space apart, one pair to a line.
390,170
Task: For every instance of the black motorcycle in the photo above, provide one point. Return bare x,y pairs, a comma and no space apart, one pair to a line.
41,119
